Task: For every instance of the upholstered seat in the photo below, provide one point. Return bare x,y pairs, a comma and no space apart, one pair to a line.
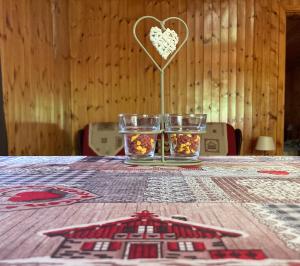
101,139
221,139
104,139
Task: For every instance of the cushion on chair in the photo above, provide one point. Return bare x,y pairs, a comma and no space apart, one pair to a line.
218,140
102,139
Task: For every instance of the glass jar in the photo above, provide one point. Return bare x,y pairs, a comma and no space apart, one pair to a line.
184,134
140,134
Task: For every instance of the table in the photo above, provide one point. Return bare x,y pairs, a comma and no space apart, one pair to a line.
84,210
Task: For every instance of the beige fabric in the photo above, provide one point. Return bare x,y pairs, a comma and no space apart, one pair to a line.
214,141
104,138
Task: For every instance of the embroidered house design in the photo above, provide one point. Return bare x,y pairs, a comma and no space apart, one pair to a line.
145,235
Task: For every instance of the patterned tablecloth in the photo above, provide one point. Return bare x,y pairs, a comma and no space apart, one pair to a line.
99,211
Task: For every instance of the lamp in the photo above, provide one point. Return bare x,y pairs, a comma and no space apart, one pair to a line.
265,143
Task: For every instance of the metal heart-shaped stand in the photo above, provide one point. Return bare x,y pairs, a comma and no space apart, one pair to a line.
162,24
161,70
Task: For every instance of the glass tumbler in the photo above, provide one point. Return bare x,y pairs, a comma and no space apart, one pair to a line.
184,134
140,134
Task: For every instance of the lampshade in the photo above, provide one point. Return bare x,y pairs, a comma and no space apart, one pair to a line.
265,143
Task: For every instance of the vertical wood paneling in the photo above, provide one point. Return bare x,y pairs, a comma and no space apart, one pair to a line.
70,62
290,6
190,84
144,70
107,64
264,89
257,74
232,39
133,11
36,76
90,60
240,65
181,73
60,75
173,65
154,88
123,48
78,36
147,85
273,74
115,50
165,12
99,48
199,63
215,89
224,61
249,81
207,75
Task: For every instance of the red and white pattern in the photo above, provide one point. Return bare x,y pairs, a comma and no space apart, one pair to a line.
29,197
257,195
147,236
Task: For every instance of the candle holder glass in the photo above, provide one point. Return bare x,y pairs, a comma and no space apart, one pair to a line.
140,131
140,134
184,134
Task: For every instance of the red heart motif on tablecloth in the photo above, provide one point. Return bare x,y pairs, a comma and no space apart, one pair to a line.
34,195
274,172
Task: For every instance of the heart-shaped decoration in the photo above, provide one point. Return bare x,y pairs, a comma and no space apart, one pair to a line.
34,196
164,42
274,172
170,40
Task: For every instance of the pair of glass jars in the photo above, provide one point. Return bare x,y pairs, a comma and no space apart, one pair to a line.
141,133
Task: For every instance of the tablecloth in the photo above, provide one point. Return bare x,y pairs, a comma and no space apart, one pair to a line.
99,211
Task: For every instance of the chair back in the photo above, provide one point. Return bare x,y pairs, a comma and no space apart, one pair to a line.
101,139
219,139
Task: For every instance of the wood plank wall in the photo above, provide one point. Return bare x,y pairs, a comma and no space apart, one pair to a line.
70,62
36,70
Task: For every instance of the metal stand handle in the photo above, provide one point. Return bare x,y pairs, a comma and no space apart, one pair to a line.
161,68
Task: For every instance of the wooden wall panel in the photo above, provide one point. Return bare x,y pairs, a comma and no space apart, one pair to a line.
248,76
228,69
35,62
67,63
215,58
224,61
290,6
